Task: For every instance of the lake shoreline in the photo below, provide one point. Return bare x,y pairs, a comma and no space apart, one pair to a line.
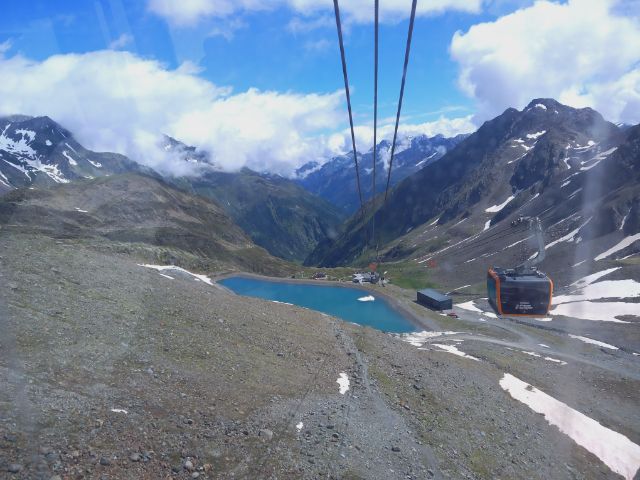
412,317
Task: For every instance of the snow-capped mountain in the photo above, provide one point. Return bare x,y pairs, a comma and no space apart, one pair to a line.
37,150
335,180
570,167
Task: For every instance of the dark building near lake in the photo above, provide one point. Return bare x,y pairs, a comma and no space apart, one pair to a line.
434,300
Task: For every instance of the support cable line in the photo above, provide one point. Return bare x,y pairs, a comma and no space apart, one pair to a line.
404,78
346,89
375,125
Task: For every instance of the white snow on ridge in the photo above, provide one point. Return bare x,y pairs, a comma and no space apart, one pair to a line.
20,168
68,157
48,143
497,208
624,243
594,277
162,268
597,159
487,225
4,180
95,164
593,342
534,136
569,237
20,147
343,383
540,105
426,159
615,450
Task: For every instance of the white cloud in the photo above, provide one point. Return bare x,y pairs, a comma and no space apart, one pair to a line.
121,42
190,12
5,46
449,127
117,101
583,52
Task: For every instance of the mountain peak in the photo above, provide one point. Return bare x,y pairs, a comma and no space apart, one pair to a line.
544,104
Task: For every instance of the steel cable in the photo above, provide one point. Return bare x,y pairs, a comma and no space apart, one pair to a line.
404,78
346,89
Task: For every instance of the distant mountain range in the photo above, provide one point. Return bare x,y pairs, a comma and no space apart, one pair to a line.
37,151
573,169
335,180
278,214
578,172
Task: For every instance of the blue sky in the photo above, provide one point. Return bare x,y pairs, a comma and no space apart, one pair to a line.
259,49
259,84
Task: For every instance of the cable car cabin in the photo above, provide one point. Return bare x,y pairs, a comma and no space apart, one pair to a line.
519,293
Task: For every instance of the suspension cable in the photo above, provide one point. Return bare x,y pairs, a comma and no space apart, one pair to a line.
404,77
346,89
375,126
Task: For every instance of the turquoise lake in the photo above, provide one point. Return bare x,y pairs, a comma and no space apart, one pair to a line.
340,302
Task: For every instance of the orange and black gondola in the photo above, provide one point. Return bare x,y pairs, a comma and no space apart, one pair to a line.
516,293
523,291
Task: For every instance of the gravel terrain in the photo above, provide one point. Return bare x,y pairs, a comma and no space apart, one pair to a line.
110,370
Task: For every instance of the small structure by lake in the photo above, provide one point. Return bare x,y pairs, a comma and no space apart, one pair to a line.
435,300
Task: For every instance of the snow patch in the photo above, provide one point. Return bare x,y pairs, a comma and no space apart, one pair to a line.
534,136
455,351
470,305
593,342
162,268
624,243
343,382
95,164
48,143
540,105
569,237
487,225
167,276
418,339
119,410
68,157
555,360
281,303
497,208
368,298
615,450
597,159
81,211
597,311
299,426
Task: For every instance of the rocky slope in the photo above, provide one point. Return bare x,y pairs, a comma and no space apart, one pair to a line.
335,180
491,174
276,213
135,209
113,370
